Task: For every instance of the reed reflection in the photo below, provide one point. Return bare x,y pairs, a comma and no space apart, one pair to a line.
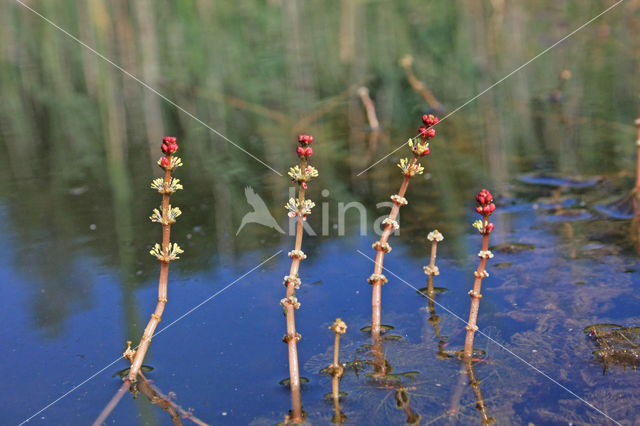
481,405
385,378
155,396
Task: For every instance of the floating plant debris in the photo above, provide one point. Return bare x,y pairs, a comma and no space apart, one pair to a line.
616,344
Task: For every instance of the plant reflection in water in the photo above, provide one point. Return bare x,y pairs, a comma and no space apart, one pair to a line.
154,395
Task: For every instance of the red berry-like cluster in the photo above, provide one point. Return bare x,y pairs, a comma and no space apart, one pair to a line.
485,207
169,145
304,150
426,131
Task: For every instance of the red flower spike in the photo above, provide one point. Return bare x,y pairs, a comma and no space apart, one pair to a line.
430,133
308,151
489,227
300,151
423,131
166,139
164,161
165,148
430,120
305,139
479,210
486,210
480,199
426,151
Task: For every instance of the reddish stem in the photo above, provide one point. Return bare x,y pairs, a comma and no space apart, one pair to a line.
376,298
475,294
141,351
292,337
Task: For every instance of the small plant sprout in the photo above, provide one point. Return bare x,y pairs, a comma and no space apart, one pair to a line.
431,269
336,370
485,208
409,167
339,328
298,208
166,252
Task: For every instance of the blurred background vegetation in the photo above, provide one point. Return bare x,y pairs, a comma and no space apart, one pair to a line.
81,137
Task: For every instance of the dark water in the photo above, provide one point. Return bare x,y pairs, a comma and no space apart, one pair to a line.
77,135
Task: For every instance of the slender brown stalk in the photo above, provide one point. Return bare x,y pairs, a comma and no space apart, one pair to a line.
406,62
432,270
298,208
485,208
337,369
165,253
106,411
370,109
420,147
481,405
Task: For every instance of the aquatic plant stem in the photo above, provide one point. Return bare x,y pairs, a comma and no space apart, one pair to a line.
475,300
419,147
298,208
485,208
376,298
162,292
336,369
292,336
165,253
